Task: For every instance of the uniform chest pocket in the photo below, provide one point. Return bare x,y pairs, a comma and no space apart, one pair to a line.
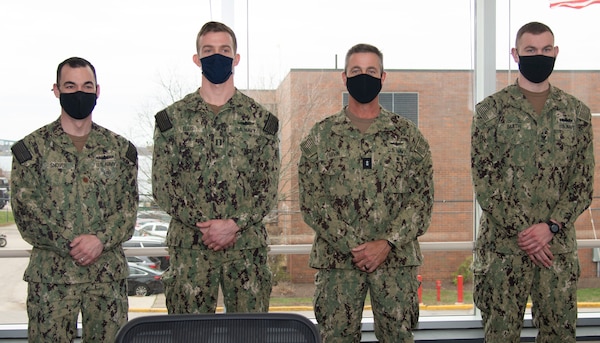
60,174
516,142
333,166
248,144
392,166
565,138
565,145
105,173
340,178
337,174
246,150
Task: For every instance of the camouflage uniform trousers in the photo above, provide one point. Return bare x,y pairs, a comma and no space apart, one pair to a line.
193,278
340,296
503,284
53,310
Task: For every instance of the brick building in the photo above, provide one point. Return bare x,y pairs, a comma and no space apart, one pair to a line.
441,102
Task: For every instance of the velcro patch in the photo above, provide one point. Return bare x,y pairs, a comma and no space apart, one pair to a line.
131,153
422,147
485,112
309,146
22,154
162,121
367,163
271,125
583,114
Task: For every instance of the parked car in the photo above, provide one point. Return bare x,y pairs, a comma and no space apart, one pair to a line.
143,221
145,241
4,188
138,240
139,233
150,241
144,281
146,261
157,215
154,229
145,217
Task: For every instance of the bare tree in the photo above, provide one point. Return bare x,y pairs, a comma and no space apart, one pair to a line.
170,89
298,103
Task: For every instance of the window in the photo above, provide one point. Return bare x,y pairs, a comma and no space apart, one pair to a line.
404,104
436,89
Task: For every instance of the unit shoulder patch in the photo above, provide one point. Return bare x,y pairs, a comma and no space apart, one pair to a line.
162,121
271,125
20,151
131,153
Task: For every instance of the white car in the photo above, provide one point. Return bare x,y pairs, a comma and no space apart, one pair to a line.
154,229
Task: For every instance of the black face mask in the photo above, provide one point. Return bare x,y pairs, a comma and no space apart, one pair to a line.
536,68
363,88
78,105
217,68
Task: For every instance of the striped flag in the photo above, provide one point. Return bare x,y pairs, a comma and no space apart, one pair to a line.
572,3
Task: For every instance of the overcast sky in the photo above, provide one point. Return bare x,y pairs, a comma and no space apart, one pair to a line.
136,45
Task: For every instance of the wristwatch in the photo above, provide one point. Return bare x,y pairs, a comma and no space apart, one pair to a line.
554,228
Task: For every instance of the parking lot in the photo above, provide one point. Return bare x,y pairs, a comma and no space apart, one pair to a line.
14,289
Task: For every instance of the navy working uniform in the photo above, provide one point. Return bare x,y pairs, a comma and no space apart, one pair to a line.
206,166
356,188
529,168
58,194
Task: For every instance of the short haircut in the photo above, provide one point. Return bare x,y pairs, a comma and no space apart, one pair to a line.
534,28
215,26
74,62
363,48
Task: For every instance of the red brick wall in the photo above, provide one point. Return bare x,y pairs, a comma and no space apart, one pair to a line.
445,112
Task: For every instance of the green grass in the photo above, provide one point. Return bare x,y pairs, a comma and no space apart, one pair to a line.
447,297
283,301
588,295
6,217
429,297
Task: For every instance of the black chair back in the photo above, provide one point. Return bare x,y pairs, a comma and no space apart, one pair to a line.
220,328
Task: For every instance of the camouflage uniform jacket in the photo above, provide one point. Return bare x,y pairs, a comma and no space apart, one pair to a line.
59,193
356,188
216,166
529,168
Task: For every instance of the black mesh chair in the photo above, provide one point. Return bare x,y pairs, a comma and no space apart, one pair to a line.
220,328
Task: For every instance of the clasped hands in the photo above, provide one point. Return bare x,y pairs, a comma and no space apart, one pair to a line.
86,249
219,234
369,256
534,241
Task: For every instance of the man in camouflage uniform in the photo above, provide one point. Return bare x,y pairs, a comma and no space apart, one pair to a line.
215,171
366,188
533,164
74,200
